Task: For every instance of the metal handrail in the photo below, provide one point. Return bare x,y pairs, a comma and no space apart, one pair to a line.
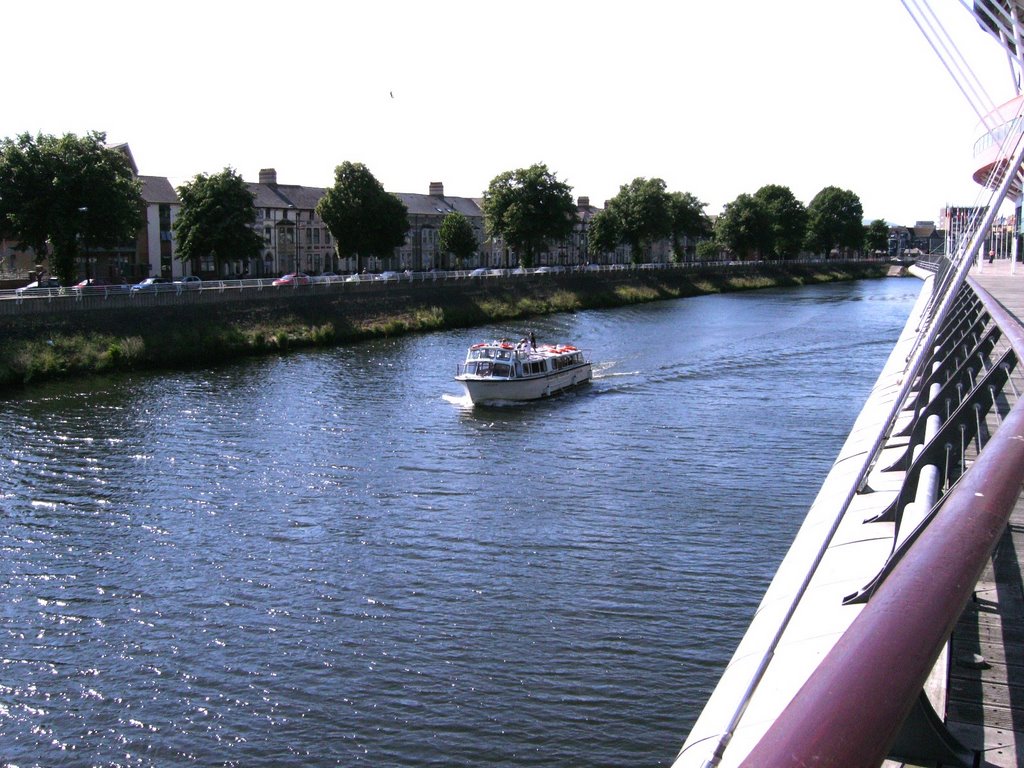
882,661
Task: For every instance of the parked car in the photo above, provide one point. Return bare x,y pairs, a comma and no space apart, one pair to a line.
326,277
101,284
387,276
293,279
190,283
43,286
542,270
480,272
153,284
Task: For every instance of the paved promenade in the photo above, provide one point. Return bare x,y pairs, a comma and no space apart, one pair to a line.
985,706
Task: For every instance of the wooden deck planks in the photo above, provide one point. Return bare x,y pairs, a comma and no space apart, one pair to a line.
985,701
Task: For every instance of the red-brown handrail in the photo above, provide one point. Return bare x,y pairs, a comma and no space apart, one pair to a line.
850,711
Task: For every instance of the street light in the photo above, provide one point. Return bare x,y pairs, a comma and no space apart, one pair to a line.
84,211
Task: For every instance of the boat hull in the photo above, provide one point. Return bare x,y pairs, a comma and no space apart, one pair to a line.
486,389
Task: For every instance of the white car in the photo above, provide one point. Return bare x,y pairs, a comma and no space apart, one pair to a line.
44,286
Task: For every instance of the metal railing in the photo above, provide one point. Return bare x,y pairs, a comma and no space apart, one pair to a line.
53,299
963,467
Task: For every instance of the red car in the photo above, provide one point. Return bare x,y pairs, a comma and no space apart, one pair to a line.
293,279
101,284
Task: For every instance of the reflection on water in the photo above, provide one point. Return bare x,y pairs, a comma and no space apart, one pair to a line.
332,559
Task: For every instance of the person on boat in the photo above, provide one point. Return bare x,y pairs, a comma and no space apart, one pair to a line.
533,340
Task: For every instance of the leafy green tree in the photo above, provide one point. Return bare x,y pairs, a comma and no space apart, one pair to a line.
835,219
643,213
364,219
71,192
528,208
788,220
876,237
456,236
603,234
709,250
688,220
216,218
744,227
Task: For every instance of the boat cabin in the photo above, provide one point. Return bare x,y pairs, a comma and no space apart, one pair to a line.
505,360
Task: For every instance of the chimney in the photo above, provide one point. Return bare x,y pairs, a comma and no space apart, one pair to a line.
583,202
268,176
436,189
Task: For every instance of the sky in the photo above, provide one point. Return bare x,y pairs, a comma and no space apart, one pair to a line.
715,98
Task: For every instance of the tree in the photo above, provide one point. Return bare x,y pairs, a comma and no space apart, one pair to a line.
688,220
456,236
788,220
835,219
709,250
642,213
216,218
876,237
744,227
603,235
71,192
529,207
364,219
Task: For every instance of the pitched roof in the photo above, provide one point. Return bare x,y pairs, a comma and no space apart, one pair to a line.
435,205
285,195
158,189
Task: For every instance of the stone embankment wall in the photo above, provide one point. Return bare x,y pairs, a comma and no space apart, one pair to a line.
348,304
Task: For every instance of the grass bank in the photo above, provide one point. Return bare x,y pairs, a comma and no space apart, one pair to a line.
187,337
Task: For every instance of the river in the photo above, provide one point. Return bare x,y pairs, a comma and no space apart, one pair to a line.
327,558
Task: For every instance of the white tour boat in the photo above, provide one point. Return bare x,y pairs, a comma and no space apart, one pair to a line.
503,370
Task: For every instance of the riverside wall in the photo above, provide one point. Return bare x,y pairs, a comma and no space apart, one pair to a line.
349,304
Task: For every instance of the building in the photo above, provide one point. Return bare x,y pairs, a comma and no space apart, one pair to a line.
421,251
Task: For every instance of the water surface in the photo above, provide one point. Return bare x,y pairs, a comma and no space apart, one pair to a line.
329,558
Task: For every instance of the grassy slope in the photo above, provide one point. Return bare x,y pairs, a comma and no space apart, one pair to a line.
51,352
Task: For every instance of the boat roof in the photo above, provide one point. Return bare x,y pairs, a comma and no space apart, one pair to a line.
541,350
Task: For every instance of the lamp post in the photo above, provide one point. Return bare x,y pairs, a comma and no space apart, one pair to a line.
84,211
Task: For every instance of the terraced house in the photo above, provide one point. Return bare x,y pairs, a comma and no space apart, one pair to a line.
295,238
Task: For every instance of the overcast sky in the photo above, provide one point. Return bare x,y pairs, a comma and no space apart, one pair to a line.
716,98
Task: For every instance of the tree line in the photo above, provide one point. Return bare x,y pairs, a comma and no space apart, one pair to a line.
72,193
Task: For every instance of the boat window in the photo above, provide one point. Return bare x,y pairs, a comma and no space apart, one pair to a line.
470,367
504,354
502,369
483,369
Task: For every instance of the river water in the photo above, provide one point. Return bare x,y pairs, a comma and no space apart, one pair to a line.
328,558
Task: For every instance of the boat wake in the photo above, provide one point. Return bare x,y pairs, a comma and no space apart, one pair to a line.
605,372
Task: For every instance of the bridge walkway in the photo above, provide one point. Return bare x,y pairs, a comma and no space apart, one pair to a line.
985,699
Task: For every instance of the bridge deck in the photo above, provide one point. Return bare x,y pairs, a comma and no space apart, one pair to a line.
985,705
